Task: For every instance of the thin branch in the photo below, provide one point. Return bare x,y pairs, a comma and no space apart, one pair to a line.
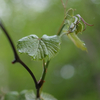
38,93
61,27
45,66
40,83
64,5
17,58
30,72
12,45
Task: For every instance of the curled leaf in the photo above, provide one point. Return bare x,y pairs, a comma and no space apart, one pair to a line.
80,44
70,12
73,26
79,28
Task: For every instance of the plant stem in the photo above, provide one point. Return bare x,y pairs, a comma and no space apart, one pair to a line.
11,43
61,27
40,83
45,66
30,72
17,58
38,93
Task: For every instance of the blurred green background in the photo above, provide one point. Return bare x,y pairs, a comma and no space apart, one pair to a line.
73,74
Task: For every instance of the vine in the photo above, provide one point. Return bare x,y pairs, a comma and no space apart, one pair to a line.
45,48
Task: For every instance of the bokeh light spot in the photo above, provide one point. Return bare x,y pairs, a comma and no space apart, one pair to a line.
67,71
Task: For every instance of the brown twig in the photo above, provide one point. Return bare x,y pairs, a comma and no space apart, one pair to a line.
65,6
17,58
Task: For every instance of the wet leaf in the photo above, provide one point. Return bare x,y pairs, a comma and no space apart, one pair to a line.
47,96
39,48
27,95
30,95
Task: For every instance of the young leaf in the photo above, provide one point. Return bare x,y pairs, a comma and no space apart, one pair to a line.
79,28
39,48
80,44
73,26
70,12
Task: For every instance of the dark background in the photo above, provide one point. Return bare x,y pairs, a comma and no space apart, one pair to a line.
73,74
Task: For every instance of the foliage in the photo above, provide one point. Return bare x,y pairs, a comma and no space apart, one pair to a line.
72,27
48,46
39,48
74,35
27,95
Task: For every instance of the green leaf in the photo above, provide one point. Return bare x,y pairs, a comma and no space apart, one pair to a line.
47,96
70,12
79,28
80,44
22,95
73,26
39,48
30,95
12,96
27,95
69,24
